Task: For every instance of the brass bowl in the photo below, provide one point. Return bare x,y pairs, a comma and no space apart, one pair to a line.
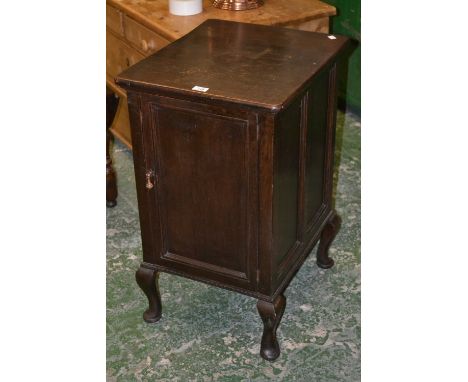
237,5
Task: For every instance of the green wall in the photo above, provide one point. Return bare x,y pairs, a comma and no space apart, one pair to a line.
348,22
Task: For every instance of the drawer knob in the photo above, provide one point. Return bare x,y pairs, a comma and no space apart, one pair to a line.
145,45
149,179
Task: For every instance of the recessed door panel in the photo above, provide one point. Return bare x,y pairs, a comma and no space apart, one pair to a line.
315,151
203,167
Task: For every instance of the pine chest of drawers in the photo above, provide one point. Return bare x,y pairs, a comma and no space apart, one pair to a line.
137,29
233,141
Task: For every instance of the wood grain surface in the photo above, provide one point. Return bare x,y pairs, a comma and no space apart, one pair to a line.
269,64
155,14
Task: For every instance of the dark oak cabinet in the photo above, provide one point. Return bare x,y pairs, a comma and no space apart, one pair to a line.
234,182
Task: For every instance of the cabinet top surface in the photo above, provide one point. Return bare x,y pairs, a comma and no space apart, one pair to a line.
155,14
243,63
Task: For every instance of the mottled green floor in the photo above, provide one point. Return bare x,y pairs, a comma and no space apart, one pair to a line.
209,334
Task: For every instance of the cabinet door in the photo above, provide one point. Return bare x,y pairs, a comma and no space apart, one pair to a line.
205,188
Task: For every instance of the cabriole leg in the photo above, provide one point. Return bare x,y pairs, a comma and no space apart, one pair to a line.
147,280
328,234
271,314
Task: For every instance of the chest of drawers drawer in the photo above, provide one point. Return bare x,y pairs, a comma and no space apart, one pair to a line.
119,55
142,38
114,20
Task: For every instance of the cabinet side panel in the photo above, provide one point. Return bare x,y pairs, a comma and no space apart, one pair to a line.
315,174
286,178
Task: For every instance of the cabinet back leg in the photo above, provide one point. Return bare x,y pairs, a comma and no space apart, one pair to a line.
112,102
326,237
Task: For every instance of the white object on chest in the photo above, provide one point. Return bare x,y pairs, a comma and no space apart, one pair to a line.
185,7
